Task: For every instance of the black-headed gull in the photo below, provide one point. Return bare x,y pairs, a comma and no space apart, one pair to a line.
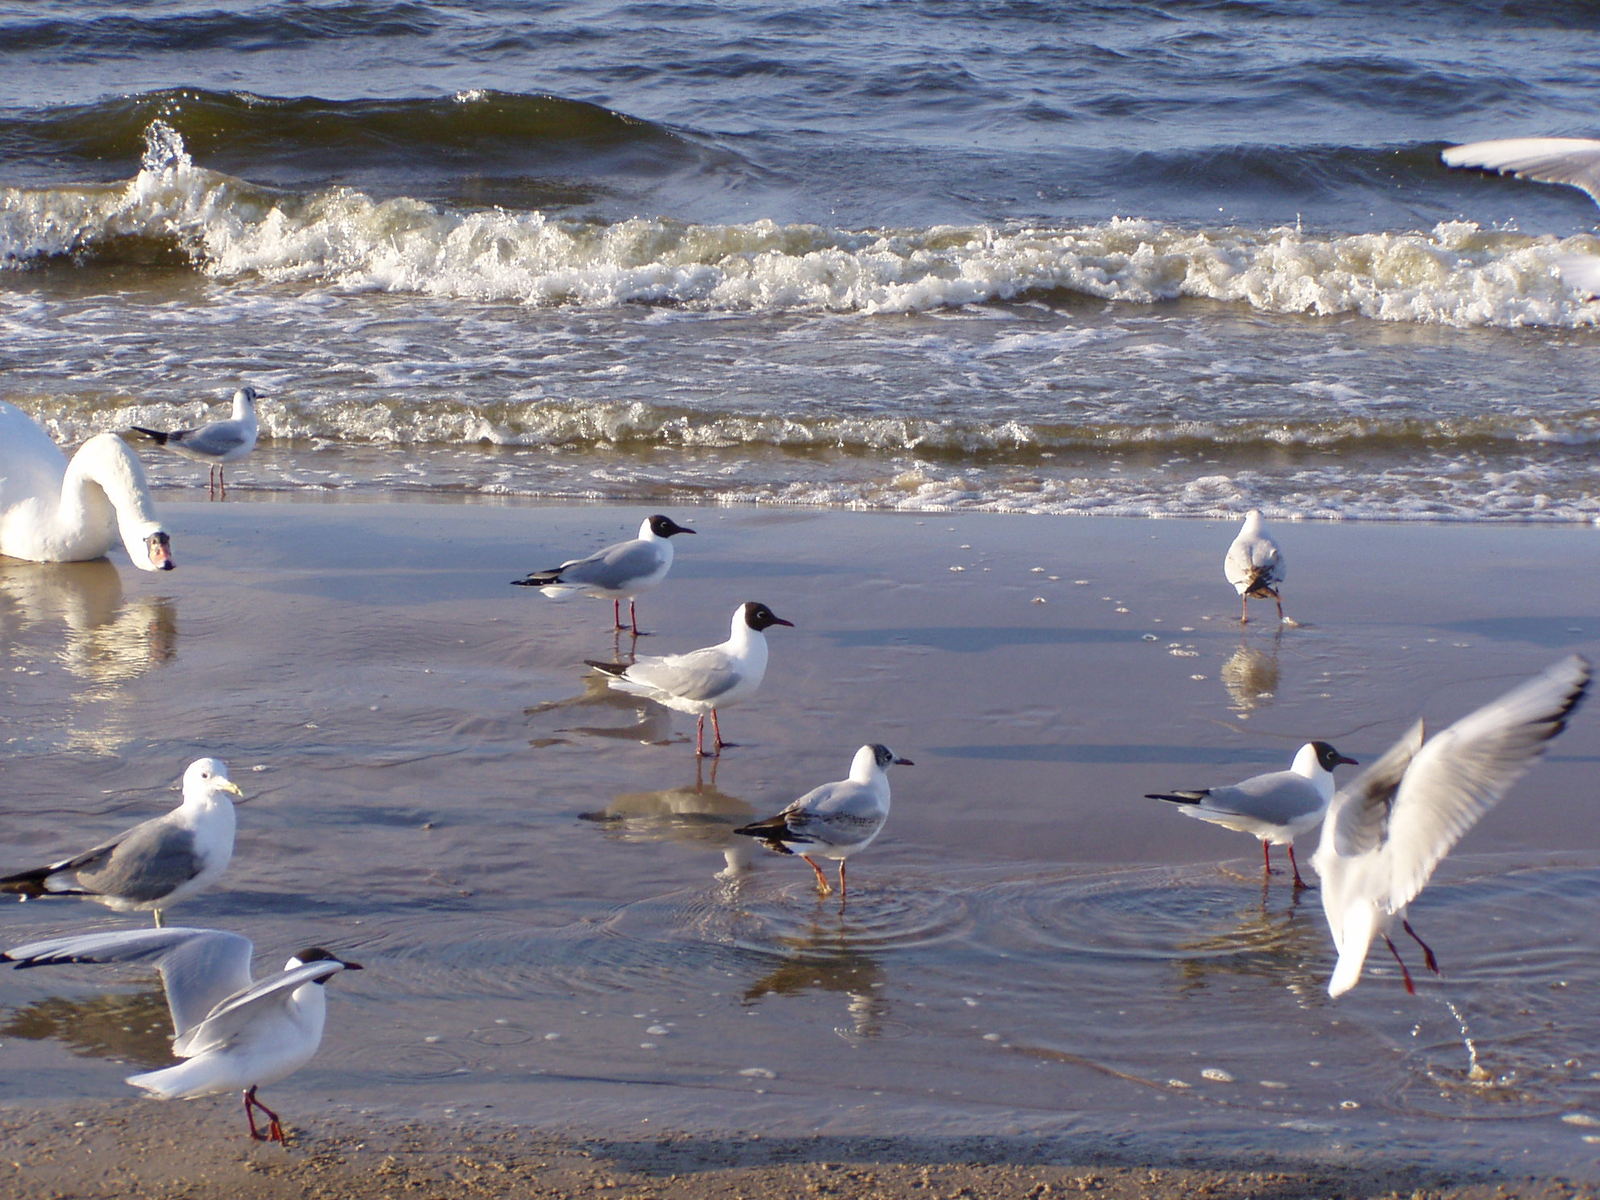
706,680
836,819
156,863
1387,829
218,443
236,1033
1572,161
620,572
1254,565
1276,807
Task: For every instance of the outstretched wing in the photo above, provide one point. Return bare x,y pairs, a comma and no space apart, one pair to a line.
235,1012
1466,770
200,968
1572,161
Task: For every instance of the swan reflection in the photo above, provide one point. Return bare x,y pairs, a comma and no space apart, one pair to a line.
74,615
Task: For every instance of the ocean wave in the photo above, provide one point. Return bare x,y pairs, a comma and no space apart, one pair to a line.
1455,274
479,134
635,426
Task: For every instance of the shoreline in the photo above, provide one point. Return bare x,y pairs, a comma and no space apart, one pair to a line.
112,1152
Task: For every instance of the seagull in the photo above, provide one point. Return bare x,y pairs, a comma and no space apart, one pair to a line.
156,863
1276,807
235,1032
1387,829
706,680
836,819
1572,161
218,443
619,572
1254,565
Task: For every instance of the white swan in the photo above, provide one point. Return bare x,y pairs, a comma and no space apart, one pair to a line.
55,511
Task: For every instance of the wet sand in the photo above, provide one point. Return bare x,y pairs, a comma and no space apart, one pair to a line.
564,952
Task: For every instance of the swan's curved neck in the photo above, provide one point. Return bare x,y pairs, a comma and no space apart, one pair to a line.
103,493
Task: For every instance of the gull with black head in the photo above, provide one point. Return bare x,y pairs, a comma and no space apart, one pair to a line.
705,680
235,1033
622,571
1275,807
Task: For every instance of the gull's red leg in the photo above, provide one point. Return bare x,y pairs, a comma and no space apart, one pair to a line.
1411,988
823,886
1427,951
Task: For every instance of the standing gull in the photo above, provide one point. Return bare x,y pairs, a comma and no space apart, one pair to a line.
620,572
836,819
706,680
1254,565
218,443
1387,829
156,863
1572,161
236,1033
1276,807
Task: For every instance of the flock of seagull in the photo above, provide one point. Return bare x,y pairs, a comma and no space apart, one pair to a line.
1382,834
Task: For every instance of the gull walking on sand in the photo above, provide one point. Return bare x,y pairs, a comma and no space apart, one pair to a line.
619,572
235,1033
156,863
1572,161
1254,565
1388,829
218,443
1276,807
836,819
706,680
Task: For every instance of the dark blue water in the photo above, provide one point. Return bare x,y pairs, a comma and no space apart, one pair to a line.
1156,258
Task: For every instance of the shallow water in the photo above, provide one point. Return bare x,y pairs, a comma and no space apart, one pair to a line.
538,878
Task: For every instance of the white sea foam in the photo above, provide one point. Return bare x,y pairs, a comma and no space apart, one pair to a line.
1455,274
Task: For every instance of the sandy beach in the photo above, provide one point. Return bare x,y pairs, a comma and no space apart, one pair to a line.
577,983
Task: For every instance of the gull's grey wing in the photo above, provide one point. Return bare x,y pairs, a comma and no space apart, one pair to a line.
217,439
615,566
200,968
835,813
143,864
1465,770
1278,798
699,675
1572,161
234,1012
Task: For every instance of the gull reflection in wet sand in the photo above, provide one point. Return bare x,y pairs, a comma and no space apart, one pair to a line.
1284,945
825,958
652,723
1250,674
697,815
101,639
128,1027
